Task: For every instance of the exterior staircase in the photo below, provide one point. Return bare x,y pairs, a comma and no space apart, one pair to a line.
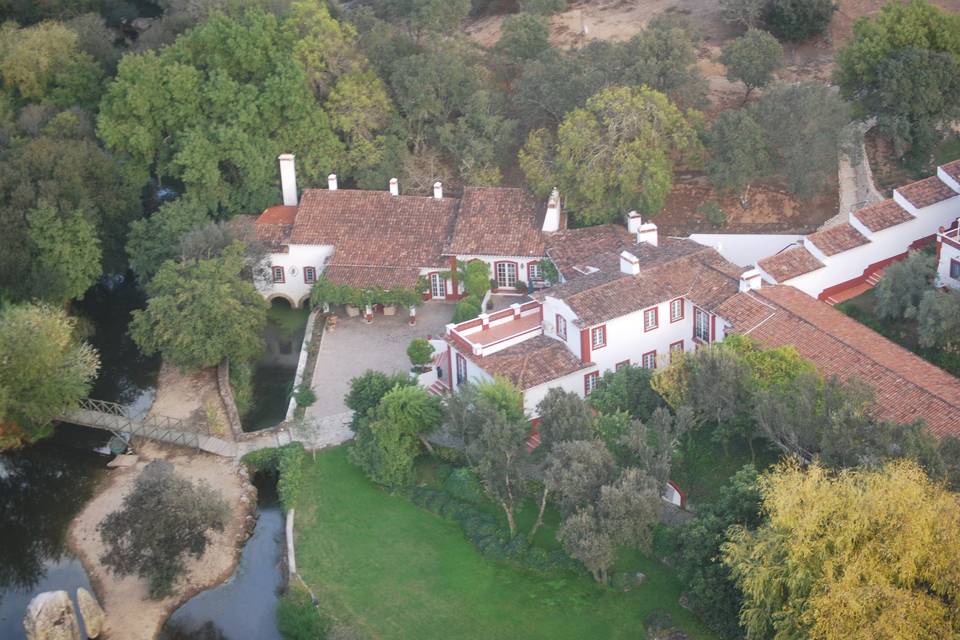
438,388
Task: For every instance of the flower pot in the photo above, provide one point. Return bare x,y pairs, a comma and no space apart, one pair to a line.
352,311
389,309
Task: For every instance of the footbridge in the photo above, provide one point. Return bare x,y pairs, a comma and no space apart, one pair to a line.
113,417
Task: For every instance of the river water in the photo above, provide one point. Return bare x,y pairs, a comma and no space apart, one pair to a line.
44,486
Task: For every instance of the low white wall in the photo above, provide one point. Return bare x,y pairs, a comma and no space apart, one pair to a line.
745,249
302,362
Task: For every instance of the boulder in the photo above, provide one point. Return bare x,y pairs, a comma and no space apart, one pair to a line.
91,611
51,616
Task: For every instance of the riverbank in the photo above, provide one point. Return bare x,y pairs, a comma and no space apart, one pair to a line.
130,613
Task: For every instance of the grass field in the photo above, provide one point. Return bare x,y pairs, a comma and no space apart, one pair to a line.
397,571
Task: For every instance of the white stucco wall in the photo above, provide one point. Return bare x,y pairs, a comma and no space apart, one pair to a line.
553,307
573,382
745,249
884,244
522,262
947,253
299,256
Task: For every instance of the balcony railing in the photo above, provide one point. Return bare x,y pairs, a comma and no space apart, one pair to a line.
493,332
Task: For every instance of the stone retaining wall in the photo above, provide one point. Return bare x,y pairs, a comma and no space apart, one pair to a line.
226,394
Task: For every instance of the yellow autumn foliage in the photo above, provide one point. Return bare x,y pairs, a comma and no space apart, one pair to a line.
860,555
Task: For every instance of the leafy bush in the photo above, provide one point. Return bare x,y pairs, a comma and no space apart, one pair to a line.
368,389
298,619
462,484
797,20
713,214
287,463
420,352
304,396
241,380
467,309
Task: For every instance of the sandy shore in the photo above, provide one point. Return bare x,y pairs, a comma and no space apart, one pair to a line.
130,613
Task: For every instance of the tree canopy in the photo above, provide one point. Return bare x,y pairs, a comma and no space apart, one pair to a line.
200,312
860,554
614,155
45,370
752,59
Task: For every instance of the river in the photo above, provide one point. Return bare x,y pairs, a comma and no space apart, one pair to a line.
44,486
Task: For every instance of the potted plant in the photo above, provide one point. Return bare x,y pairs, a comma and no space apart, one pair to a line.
351,300
520,286
420,352
389,300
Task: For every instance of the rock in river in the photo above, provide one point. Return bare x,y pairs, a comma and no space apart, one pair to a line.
51,616
91,611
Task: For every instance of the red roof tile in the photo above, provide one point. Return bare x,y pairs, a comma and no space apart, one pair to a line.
907,387
926,192
495,221
837,239
375,229
790,263
882,215
952,169
380,277
278,214
531,362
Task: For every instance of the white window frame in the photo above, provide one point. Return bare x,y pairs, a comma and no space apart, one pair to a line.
533,271
309,275
649,364
503,280
277,269
438,286
655,314
697,315
561,327
678,302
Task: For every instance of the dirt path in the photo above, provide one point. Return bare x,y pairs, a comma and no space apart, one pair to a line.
131,615
193,398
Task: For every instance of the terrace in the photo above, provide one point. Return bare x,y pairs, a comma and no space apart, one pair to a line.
492,332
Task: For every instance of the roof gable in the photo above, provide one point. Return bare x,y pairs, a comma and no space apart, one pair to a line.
789,264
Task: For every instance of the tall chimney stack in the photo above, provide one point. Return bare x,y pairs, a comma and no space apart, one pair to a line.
394,187
437,190
551,221
288,179
332,182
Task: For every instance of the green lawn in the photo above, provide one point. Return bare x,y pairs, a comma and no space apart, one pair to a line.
701,466
398,571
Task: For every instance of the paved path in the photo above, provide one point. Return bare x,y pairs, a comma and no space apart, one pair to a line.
857,189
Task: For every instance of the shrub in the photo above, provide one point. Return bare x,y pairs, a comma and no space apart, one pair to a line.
467,309
304,396
798,20
298,619
713,214
463,484
287,463
241,380
420,352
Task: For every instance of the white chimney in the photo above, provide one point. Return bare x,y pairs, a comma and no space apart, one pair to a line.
750,279
437,190
332,182
633,222
629,263
551,221
288,179
648,233
394,187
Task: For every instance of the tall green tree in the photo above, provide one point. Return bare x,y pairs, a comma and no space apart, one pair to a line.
200,312
901,67
738,153
44,371
805,151
798,20
154,240
66,254
938,320
614,155
904,282
752,59
626,389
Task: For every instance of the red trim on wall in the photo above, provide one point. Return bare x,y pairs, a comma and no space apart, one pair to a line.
713,328
451,374
870,269
586,379
309,270
593,345
656,318
469,324
584,345
682,309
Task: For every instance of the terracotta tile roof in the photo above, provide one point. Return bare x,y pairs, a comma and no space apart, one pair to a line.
791,263
882,215
531,362
363,276
926,192
278,214
837,239
375,229
704,277
573,247
907,387
952,169
495,221
273,227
